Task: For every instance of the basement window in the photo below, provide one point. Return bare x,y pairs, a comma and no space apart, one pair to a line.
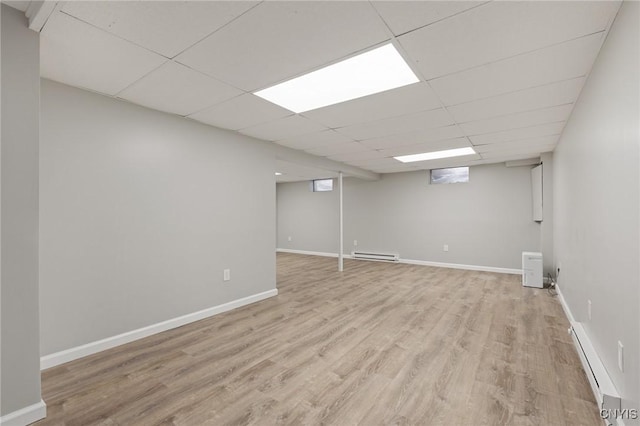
450,175
322,185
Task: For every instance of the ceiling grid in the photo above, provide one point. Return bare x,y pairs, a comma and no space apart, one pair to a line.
501,77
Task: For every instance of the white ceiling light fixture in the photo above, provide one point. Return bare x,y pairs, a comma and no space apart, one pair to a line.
435,155
371,72
278,174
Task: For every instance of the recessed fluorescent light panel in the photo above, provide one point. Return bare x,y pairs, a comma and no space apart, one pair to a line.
372,72
435,155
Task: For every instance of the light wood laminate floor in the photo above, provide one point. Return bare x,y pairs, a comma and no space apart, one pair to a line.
377,344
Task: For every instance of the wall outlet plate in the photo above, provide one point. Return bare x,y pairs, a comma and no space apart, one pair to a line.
226,276
446,247
355,242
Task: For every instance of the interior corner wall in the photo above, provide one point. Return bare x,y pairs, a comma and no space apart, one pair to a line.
597,205
20,81
141,212
486,222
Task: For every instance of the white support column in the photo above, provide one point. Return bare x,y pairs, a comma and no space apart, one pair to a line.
340,255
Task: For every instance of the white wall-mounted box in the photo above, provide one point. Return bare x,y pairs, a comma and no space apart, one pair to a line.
532,269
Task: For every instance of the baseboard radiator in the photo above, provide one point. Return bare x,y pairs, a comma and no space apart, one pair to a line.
603,388
367,255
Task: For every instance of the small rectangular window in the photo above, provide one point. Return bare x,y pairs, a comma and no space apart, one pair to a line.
450,175
322,185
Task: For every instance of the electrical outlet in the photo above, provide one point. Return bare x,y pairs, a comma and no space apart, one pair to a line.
446,247
227,275
355,243
620,356
589,309
289,238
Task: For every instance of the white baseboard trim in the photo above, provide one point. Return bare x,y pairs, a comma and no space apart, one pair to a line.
310,253
417,262
564,305
461,266
71,354
26,415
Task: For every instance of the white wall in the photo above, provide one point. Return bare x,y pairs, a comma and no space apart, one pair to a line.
596,203
311,219
140,213
20,383
546,227
486,222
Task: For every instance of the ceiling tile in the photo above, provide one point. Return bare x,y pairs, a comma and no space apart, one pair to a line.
456,162
177,89
241,112
338,148
392,103
564,92
559,62
166,27
413,138
447,162
398,125
521,133
426,147
358,156
515,121
278,40
314,140
507,69
526,152
520,146
501,158
373,162
450,162
404,16
502,29
283,128
301,172
75,53
400,167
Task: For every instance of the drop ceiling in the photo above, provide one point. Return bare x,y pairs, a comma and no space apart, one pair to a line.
499,76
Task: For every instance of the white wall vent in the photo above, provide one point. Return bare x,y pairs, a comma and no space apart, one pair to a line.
367,255
603,388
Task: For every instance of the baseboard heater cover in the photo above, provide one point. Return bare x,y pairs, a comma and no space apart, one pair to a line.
367,255
603,388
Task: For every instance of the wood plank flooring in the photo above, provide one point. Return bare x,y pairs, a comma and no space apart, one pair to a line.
377,344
